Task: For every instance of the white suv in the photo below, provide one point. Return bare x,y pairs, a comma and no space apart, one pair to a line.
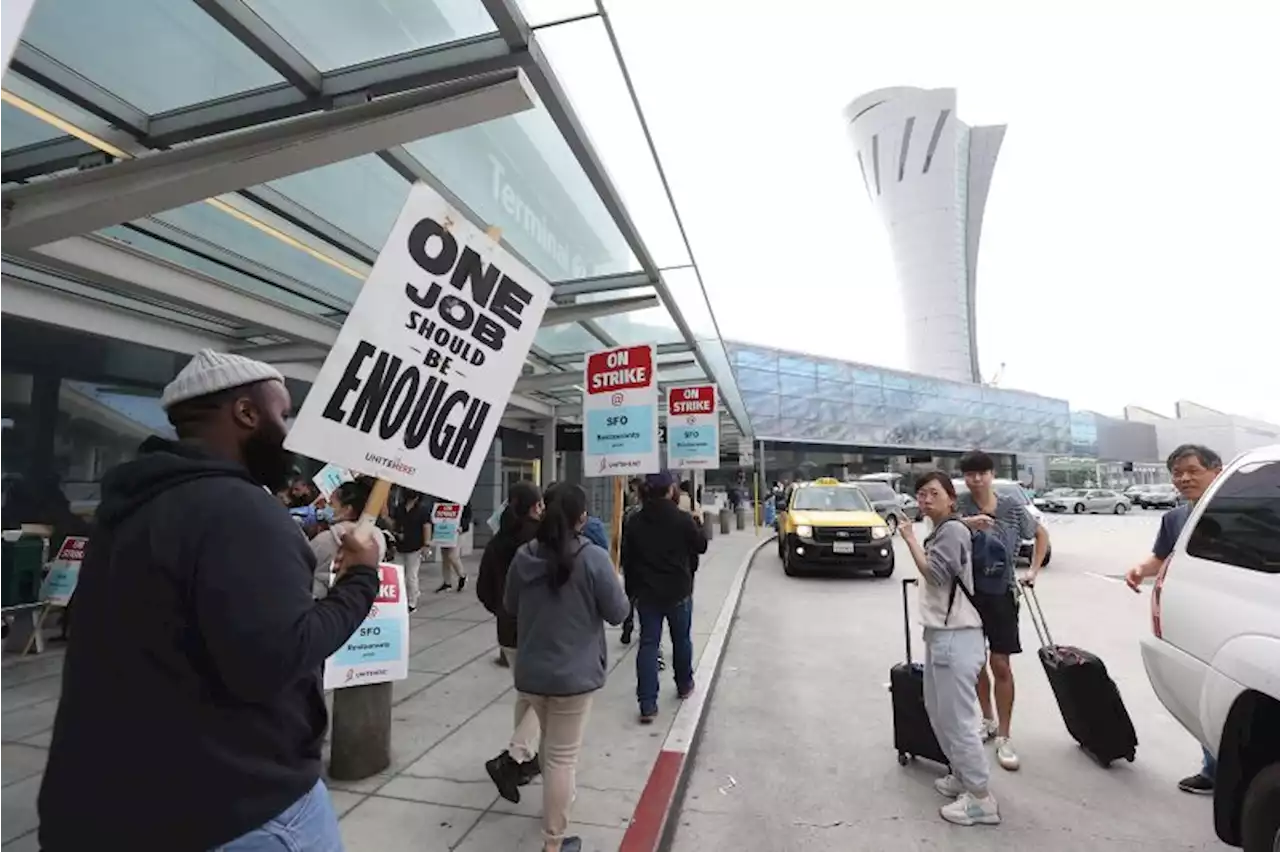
1214,656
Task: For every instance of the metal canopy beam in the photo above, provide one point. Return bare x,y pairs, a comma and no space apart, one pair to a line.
55,155
601,284
275,352
125,270
527,403
84,202
44,70
663,349
552,381
486,55
237,18
564,314
51,307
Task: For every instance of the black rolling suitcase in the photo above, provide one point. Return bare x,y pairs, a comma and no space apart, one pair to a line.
1089,699
912,734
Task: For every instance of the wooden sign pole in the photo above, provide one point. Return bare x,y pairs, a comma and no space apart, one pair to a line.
360,734
615,538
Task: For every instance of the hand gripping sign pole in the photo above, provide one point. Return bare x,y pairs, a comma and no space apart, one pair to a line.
412,392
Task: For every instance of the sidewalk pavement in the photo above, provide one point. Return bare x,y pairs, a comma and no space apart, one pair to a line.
452,714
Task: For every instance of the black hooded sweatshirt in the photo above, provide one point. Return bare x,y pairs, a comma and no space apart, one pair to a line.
660,548
192,710
491,584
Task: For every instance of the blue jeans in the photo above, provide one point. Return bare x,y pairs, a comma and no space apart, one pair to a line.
1210,767
308,825
679,618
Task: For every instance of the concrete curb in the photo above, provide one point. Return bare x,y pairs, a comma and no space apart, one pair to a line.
653,819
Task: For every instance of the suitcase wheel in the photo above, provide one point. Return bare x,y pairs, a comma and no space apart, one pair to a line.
903,758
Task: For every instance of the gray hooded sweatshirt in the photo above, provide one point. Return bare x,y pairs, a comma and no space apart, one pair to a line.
561,631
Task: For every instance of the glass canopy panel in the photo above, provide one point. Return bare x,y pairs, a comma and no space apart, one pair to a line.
20,129
233,278
362,196
156,54
566,339
651,325
585,64
337,33
541,12
230,233
518,173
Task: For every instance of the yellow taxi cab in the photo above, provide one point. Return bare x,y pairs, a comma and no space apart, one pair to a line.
828,523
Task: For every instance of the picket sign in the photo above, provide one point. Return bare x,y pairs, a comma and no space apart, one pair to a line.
620,412
693,428
330,478
59,584
414,387
446,521
378,651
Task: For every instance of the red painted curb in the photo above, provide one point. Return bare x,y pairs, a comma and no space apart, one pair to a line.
650,817
658,799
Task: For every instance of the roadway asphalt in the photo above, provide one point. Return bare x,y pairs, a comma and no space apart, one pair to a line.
797,752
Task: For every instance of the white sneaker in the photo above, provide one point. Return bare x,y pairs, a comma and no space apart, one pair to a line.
949,786
988,729
1005,755
966,810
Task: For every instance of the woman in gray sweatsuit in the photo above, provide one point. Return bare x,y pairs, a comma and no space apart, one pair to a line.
562,589
955,651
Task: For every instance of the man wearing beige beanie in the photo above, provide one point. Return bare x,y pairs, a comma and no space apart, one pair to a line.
192,714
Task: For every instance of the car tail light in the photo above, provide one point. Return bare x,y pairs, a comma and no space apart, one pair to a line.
1155,599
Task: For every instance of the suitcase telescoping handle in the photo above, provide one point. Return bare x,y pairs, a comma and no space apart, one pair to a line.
1037,615
906,615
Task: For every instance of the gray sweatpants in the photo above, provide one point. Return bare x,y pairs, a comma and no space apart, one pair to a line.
952,660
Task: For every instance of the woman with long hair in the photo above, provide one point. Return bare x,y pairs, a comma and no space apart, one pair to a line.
955,651
562,589
517,526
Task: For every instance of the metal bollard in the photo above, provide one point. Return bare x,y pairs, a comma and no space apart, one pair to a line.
709,524
726,521
742,518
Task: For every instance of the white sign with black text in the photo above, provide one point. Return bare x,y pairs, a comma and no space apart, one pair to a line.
419,377
13,19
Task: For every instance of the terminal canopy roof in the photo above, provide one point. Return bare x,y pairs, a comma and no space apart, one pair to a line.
192,173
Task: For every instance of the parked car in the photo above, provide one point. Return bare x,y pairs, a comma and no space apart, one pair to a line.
1160,497
1213,656
1133,492
1093,500
891,505
1042,500
1009,488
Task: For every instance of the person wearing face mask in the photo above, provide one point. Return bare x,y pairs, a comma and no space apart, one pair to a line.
192,714
347,502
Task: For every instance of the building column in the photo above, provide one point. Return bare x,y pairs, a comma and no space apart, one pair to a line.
45,390
487,495
549,472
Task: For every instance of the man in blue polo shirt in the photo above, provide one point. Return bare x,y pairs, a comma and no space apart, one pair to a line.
1193,468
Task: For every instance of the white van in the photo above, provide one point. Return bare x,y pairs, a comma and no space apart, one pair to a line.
1214,654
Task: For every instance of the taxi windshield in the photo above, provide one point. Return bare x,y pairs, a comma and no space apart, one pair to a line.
830,498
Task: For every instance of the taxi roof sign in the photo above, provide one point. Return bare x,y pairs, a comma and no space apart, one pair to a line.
826,480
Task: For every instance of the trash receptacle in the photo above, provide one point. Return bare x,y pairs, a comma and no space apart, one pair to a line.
709,524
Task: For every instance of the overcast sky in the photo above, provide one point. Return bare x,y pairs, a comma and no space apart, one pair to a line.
1129,251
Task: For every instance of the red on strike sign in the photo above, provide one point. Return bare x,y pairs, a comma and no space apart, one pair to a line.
448,511
628,368
389,588
72,549
700,399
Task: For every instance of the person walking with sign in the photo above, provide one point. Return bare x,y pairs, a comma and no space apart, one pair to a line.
192,715
413,528
562,589
517,527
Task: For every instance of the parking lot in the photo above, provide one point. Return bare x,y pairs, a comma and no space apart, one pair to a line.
798,750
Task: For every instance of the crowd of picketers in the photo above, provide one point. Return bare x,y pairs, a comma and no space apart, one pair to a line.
192,714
